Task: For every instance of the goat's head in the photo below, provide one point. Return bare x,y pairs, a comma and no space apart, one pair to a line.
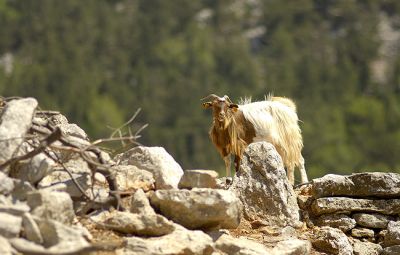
221,106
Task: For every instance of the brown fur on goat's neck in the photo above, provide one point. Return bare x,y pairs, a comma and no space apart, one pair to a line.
233,135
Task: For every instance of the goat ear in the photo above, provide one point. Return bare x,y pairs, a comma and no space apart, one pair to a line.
207,105
234,107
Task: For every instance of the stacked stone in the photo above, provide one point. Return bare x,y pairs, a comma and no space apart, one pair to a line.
364,206
171,211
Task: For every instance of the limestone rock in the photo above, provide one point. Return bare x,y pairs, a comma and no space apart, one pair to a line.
332,241
132,178
167,173
6,184
383,185
56,234
31,229
363,233
346,205
198,179
34,169
262,186
139,224
80,171
5,247
292,247
366,248
240,246
340,221
392,250
180,241
51,205
21,189
372,220
392,237
140,203
17,209
15,121
10,225
199,208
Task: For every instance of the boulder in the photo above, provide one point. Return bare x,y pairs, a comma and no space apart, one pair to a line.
340,221
366,248
372,220
5,247
21,189
292,247
392,237
382,185
51,205
6,184
34,169
79,170
17,209
15,121
198,179
392,250
139,224
56,234
167,173
199,208
262,186
140,203
10,225
346,205
241,246
180,241
31,229
332,241
132,178
363,233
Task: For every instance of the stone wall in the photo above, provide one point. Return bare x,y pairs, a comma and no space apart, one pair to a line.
363,208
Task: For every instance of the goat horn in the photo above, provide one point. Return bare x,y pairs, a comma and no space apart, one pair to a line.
211,96
227,99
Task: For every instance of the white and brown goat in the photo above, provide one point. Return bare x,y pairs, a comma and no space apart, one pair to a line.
274,120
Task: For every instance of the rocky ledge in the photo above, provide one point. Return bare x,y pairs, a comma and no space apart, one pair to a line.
62,194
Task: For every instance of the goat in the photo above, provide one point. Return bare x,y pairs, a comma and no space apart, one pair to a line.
274,120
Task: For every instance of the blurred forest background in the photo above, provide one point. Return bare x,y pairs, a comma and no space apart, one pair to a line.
98,61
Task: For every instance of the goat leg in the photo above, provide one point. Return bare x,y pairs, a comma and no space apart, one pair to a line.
227,160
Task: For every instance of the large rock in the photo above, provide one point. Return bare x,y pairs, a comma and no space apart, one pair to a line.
392,250
6,184
240,246
5,247
198,179
31,229
363,233
372,220
15,121
262,186
199,208
180,241
34,169
340,221
292,247
79,170
10,225
56,234
332,241
346,205
132,178
51,205
392,236
383,185
366,248
140,203
139,224
156,160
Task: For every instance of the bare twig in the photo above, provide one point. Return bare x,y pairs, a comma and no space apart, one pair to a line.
41,148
